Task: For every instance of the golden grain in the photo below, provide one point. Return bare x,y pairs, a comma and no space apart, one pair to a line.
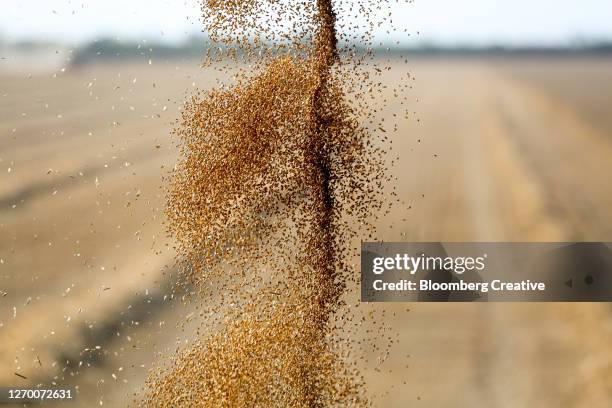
278,173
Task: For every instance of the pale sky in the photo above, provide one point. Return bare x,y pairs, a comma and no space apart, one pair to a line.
449,22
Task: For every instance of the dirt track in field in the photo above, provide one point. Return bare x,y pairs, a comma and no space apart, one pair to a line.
501,152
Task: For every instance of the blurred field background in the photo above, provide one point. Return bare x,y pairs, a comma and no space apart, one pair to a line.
504,144
516,149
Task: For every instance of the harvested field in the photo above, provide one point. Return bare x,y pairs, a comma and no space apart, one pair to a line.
514,150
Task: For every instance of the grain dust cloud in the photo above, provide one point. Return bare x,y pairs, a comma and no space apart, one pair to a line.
280,172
